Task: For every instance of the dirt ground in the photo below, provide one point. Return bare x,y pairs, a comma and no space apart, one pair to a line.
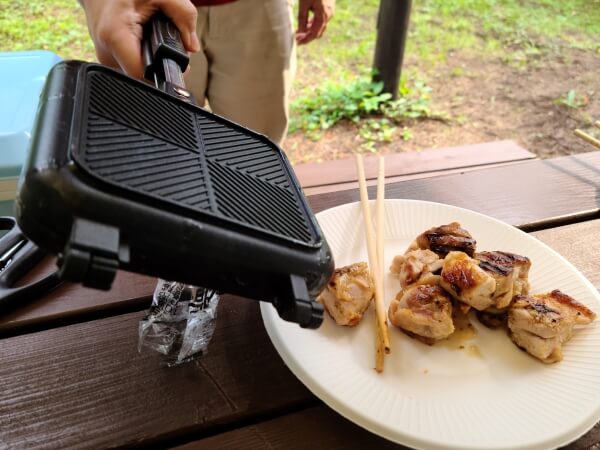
488,101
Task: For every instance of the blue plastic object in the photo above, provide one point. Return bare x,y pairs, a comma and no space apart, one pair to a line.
22,77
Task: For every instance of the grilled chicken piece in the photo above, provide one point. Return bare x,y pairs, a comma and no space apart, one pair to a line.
415,264
445,239
510,272
423,311
542,323
348,294
466,281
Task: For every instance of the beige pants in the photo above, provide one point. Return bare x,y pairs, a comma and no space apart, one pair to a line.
247,63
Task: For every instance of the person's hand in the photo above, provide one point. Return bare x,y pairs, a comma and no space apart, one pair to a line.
313,27
116,29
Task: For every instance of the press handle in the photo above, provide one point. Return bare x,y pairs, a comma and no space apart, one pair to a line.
162,42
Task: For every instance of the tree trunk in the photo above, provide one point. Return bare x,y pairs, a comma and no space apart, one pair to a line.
392,28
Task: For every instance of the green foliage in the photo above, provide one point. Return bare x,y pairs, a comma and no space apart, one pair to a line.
572,100
375,130
519,32
361,101
55,25
515,30
335,101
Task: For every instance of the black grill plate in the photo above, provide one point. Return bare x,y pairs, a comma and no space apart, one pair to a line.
143,141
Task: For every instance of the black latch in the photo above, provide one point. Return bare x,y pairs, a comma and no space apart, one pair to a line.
297,306
91,255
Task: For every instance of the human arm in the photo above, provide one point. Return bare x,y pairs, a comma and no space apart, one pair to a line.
116,26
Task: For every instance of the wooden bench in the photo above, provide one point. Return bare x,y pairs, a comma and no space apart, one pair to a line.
329,176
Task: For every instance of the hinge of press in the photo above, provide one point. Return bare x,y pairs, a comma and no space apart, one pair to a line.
296,305
92,254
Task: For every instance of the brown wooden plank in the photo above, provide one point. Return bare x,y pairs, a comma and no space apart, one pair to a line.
530,195
316,190
322,428
413,163
72,300
315,428
85,385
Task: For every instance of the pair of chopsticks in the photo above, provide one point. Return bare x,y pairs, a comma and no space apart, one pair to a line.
375,249
586,137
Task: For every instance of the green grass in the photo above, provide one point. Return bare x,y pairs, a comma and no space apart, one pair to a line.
520,33
572,100
517,31
359,98
55,25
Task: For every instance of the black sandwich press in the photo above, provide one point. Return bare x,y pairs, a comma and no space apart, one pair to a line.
122,174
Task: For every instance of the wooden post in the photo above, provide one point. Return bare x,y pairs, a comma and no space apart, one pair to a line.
392,28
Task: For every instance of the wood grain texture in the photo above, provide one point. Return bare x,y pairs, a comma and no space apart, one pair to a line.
72,300
414,164
531,194
86,385
314,428
311,191
322,428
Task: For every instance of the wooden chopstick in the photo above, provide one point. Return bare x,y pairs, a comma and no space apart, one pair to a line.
380,249
379,212
586,137
382,337
597,124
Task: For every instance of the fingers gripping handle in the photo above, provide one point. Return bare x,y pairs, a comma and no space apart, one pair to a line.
163,53
162,41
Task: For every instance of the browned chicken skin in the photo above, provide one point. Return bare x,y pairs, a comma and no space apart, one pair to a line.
445,239
466,281
542,323
423,311
510,272
348,294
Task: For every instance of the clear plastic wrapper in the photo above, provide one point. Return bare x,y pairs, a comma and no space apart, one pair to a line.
180,323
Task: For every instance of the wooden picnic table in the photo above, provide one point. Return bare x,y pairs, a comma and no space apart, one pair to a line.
71,375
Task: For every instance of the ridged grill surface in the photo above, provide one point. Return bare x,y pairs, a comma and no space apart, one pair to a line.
130,158
241,152
120,101
250,200
150,144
